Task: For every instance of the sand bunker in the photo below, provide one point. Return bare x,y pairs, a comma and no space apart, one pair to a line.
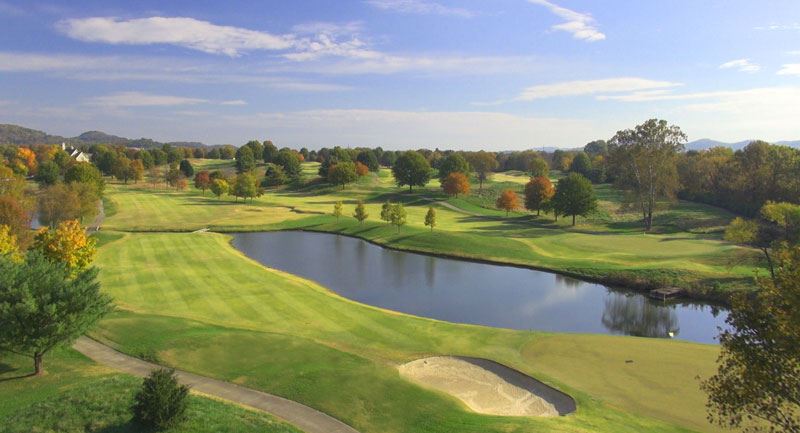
488,387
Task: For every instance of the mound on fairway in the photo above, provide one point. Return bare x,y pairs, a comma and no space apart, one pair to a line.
488,387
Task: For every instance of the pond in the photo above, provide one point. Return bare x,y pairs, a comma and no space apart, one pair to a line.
477,293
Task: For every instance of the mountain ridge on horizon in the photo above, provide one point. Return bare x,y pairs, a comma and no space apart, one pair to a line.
24,136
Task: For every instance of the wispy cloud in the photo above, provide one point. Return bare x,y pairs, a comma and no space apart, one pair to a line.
139,68
592,87
789,26
790,69
234,102
420,7
741,65
140,99
581,26
186,32
10,9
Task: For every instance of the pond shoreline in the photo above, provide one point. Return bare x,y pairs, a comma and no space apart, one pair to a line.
714,298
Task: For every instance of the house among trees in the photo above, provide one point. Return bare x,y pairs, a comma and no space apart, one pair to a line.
76,154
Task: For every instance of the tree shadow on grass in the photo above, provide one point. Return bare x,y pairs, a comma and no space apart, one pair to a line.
6,368
128,427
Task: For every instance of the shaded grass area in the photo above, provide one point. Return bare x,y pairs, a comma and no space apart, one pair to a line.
234,319
78,396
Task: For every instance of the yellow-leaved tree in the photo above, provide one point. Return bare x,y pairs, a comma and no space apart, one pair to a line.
8,244
68,244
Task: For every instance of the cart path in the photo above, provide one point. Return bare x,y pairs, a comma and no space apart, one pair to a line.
305,418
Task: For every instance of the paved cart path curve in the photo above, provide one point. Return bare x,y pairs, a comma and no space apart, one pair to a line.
305,418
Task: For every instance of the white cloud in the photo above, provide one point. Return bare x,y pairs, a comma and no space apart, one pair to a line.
140,99
580,25
135,68
420,7
592,87
234,102
741,65
790,26
790,69
186,32
441,64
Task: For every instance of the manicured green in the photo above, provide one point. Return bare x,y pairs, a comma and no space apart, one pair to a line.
231,318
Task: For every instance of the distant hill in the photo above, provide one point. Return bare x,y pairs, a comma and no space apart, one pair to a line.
21,136
707,143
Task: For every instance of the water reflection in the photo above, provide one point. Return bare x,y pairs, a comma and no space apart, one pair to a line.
636,315
477,293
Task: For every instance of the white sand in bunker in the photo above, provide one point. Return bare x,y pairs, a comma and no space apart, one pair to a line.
488,387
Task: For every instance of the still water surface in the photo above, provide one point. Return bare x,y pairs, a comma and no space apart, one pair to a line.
477,293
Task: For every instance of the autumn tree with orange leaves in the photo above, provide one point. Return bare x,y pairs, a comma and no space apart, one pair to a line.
456,183
508,201
538,192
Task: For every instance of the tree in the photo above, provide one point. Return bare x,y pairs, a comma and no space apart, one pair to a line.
581,164
48,173
290,161
596,148
85,172
68,244
508,201
456,183
342,173
397,215
245,186
270,152
778,225
538,192
274,176
337,210
430,218
360,213
161,402
245,161
202,180
386,212
574,196
453,163
368,158
484,163
213,154
186,168
757,384
361,169
136,170
9,247
643,161
219,187
411,169
58,203
173,176
15,212
538,167
43,305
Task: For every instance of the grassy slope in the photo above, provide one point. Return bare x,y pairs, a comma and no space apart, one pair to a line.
78,396
234,319
686,249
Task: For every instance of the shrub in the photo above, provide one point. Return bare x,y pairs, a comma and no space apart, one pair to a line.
162,401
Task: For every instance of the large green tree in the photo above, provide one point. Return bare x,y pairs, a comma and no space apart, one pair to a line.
484,163
411,169
643,162
289,160
757,384
453,163
245,161
43,307
245,186
574,196
342,173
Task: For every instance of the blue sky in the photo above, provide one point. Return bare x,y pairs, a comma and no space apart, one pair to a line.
500,74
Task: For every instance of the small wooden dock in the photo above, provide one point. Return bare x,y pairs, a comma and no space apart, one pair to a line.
665,293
